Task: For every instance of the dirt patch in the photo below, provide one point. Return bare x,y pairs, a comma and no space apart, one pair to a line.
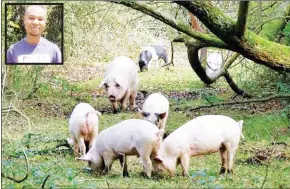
57,109
263,155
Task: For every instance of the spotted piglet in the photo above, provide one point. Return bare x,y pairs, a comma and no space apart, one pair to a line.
155,110
152,53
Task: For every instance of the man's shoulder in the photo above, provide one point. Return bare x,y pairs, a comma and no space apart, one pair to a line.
47,42
20,43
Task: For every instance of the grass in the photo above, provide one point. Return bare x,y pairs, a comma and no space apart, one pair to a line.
49,115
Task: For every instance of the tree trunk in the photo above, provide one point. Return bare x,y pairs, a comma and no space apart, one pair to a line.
252,46
195,25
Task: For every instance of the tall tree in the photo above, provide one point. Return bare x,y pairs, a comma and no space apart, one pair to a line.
227,34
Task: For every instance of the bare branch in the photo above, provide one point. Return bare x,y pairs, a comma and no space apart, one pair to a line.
209,38
100,25
13,108
231,60
242,18
282,96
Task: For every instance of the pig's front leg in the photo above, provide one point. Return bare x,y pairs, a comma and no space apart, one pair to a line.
115,107
184,160
125,100
132,101
123,162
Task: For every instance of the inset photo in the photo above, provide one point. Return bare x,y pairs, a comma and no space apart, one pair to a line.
34,33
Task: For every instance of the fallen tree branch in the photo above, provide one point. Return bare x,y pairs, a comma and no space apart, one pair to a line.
142,7
235,87
283,96
43,184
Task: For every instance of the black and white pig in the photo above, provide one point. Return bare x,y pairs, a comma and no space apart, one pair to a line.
150,53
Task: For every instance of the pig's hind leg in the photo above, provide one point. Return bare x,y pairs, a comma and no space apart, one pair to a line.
82,145
123,162
75,147
223,153
231,151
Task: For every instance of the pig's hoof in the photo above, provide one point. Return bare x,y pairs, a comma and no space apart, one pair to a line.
126,174
115,111
222,170
135,109
143,174
230,172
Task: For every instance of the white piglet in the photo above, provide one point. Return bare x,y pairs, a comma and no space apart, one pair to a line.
83,127
155,109
130,137
200,136
121,82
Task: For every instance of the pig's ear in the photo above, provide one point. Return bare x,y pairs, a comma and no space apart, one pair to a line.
158,159
240,123
120,82
103,82
162,115
160,133
85,158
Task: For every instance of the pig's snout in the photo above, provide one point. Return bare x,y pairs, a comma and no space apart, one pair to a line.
112,98
142,65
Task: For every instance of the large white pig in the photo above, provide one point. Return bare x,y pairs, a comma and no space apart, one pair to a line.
155,109
202,135
83,127
130,137
121,82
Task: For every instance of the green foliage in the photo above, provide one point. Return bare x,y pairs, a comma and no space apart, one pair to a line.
54,25
57,87
23,80
286,32
15,25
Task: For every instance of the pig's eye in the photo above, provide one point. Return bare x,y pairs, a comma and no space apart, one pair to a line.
117,85
106,85
145,114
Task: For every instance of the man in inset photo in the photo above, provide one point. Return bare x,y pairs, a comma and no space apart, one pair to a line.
34,48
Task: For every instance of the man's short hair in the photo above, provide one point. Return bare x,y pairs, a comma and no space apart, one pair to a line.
41,6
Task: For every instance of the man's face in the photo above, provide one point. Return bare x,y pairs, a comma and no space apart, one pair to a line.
35,20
